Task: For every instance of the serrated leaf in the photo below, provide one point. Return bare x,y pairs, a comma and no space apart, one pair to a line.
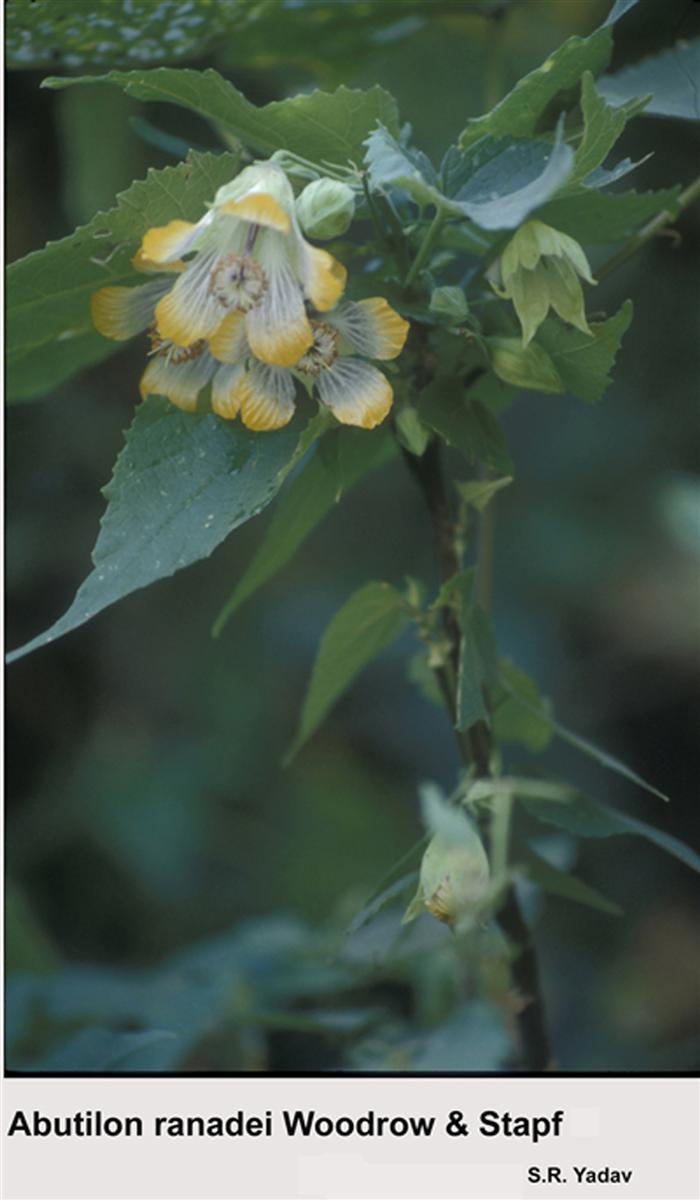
560,883
582,361
512,722
71,33
594,216
519,111
310,496
322,126
671,78
602,126
588,818
479,492
366,625
465,423
181,484
50,334
389,164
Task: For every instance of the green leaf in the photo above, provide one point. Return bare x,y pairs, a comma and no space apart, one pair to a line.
603,126
477,666
465,423
478,492
574,739
322,126
560,883
518,113
390,164
588,818
309,497
528,367
592,216
392,884
50,334
367,623
583,362
512,722
671,77
181,484
73,33
500,181
411,431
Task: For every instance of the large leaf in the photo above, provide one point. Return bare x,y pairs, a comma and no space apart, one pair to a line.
477,666
583,362
180,485
311,495
50,334
588,818
367,623
518,113
513,722
320,126
73,33
592,216
671,77
560,883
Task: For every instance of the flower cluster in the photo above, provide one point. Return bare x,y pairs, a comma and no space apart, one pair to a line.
242,301
540,269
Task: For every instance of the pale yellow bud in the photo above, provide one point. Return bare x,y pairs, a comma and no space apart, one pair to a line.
325,208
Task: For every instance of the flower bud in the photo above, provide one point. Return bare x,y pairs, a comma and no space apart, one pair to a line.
325,208
540,269
454,879
524,366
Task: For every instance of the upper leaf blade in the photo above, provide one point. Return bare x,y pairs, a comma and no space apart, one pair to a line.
519,111
181,484
322,126
560,883
671,78
367,623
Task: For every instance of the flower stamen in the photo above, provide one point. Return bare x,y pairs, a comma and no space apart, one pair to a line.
324,351
238,282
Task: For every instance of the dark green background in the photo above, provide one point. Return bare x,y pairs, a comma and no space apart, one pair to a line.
147,808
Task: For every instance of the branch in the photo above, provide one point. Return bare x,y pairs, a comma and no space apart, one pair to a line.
475,750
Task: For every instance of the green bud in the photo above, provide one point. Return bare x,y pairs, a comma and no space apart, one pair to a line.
325,208
524,366
541,268
454,873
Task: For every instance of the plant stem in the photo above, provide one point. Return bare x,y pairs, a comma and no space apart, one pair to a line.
426,247
474,747
691,193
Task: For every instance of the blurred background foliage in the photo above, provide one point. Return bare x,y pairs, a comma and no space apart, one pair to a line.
176,898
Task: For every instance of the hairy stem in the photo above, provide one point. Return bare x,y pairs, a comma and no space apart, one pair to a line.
474,747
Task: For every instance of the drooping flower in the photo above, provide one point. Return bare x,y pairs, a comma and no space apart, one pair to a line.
542,268
248,256
356,392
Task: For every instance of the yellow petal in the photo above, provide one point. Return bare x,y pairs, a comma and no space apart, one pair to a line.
180,382
146,265
227,391
229,343
121,312
189,311
259,208
356,393
166,241
267,398
324,277
372,327
278,329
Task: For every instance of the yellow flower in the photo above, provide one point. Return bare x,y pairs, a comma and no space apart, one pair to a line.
354,390
542,268
247,256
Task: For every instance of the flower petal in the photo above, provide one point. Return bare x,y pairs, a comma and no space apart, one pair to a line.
227,391
260,208
179,382
121,312
356,392
322,275
229,344
190,311
278,328
566,293
165,243
146,266
267,398
372,327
